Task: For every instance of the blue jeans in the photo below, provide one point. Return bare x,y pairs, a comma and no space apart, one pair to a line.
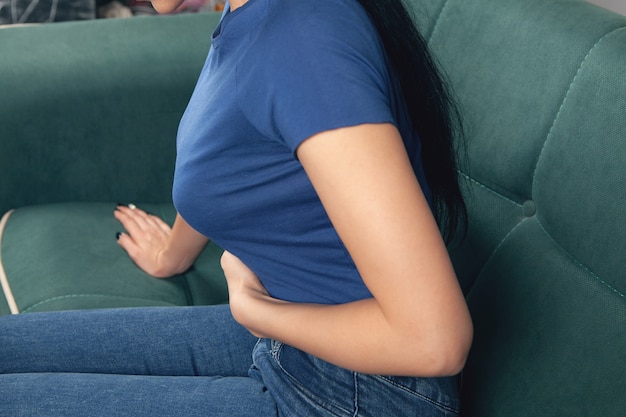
186,361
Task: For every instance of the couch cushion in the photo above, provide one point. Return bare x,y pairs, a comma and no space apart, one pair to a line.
65,256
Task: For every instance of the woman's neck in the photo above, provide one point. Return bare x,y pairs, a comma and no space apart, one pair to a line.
235,4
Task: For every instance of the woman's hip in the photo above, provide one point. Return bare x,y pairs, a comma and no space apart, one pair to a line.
305,385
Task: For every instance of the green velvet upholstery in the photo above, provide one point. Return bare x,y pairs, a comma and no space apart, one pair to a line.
68,250
88,115
543,87
89,110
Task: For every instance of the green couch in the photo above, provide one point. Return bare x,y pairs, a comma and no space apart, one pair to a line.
88,117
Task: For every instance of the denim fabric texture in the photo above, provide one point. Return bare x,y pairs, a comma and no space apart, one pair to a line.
186,361
309,386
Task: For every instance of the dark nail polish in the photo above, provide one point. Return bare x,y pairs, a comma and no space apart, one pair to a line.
117,236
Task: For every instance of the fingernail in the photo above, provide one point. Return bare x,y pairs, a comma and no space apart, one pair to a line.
117,235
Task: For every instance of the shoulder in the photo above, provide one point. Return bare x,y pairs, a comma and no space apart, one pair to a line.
303,39
312,66
305,26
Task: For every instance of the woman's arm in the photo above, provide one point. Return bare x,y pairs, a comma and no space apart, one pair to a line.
418,322
156,248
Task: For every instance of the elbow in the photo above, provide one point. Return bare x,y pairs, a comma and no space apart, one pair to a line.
453,357
448,353
451,363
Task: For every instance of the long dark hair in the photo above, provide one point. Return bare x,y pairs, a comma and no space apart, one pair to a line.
433,112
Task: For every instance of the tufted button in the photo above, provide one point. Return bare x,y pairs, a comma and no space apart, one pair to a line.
528,208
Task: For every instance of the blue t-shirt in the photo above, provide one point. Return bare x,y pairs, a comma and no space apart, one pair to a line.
278,72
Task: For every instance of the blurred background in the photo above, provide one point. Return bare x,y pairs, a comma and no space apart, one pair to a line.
45,11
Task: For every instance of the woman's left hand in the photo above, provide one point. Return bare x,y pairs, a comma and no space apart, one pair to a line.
244,289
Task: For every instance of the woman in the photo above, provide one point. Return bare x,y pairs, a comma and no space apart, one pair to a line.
316,150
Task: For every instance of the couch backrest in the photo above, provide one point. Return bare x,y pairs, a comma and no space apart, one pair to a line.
84,105
542,84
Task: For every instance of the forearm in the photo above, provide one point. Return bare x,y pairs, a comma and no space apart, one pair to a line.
356,336
183,248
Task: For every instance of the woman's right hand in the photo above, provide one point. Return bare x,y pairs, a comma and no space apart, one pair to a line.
155,247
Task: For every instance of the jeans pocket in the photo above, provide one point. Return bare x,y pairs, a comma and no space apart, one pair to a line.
432,396
308,385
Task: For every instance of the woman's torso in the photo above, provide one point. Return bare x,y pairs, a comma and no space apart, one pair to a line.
278,72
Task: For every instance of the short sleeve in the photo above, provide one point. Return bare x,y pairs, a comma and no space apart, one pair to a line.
309,70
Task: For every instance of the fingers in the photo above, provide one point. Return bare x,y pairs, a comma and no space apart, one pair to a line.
132,216
139,225
147,241
158,222
127,243
135,218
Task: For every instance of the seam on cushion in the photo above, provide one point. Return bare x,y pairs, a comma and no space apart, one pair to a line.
580,264
490,190
4,280
493,253
62,297
504,239
567,93
188,293
437,21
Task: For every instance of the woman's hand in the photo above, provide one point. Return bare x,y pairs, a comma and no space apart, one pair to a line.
158,249
245,291
146,239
